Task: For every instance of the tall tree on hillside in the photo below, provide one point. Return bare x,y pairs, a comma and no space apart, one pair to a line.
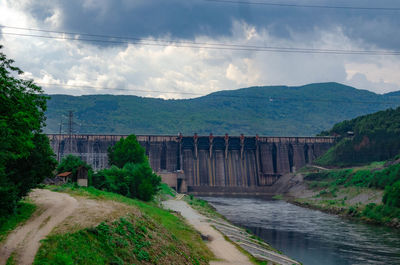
130,173
126,151
25,155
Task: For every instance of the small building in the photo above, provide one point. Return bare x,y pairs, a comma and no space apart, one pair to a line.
65,176
82,176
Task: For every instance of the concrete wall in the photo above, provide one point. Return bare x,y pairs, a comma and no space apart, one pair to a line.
209,161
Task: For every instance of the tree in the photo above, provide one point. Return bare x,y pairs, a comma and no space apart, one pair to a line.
130,173
126,151
133,180
23,147
71,163
36,167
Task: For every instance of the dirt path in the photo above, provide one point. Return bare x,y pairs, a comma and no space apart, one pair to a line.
58,213
25,240
223,250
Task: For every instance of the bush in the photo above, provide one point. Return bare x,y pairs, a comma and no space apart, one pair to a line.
126,151
391,196
381,213
133,180
70,163
129,175
388,179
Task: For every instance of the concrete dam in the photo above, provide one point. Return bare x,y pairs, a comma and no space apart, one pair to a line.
206,164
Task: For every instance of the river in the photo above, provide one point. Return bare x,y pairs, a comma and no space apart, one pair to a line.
309,236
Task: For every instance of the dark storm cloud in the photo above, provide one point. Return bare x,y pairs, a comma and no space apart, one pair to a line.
187,19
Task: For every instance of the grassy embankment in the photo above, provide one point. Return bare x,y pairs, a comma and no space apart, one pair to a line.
24,211
206,209
155,236
370,193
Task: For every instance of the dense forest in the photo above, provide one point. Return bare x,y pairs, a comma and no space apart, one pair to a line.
269,110
376,138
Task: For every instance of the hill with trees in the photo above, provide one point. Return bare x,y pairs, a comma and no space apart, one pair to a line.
368,147
376,138
268,110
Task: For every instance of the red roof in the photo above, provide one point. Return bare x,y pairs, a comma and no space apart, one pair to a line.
64,174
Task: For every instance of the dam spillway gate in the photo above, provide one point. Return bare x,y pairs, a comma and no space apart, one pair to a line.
206,164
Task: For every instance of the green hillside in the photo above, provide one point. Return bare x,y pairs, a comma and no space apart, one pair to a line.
269,110
376,138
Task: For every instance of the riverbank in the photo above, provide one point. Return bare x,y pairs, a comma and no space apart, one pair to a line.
230,243
345,192
309,236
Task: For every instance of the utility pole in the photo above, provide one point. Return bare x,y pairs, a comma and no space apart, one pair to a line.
59,142
70,128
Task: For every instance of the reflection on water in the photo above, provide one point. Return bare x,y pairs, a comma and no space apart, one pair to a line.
310,236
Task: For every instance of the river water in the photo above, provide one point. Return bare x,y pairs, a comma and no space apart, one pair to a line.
310,236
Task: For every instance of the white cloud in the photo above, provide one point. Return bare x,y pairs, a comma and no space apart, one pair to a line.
185,70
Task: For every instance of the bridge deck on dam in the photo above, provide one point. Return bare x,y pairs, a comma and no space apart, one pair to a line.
198,162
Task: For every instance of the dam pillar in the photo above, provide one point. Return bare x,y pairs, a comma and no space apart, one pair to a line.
180,152
226,145
282,156
211,138
299,155
241,146
196,152
258,169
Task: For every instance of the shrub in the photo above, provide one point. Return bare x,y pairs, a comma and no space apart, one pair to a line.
391,196
129,175
381,213
133,180
71,163
126,151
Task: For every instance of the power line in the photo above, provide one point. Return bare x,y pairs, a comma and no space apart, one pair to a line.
269,98
218,46
304,6
169,41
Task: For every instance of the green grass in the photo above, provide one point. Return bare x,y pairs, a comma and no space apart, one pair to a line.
24,210
206,209
249,256
381,213
165,192
168,239
278,197
11,260
369,177
203,207
129,240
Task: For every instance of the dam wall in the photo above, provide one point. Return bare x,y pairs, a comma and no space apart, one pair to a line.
206,162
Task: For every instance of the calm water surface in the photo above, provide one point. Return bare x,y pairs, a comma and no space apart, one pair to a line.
310,236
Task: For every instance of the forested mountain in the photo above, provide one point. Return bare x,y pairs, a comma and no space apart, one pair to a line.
376,138
269,110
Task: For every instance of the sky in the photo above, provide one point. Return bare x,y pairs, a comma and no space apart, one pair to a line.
188,48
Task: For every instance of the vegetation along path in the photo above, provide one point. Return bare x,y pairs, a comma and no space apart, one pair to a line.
224,251
25,240
57,213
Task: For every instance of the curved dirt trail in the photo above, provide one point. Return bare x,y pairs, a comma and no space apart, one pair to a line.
224,251
25,240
